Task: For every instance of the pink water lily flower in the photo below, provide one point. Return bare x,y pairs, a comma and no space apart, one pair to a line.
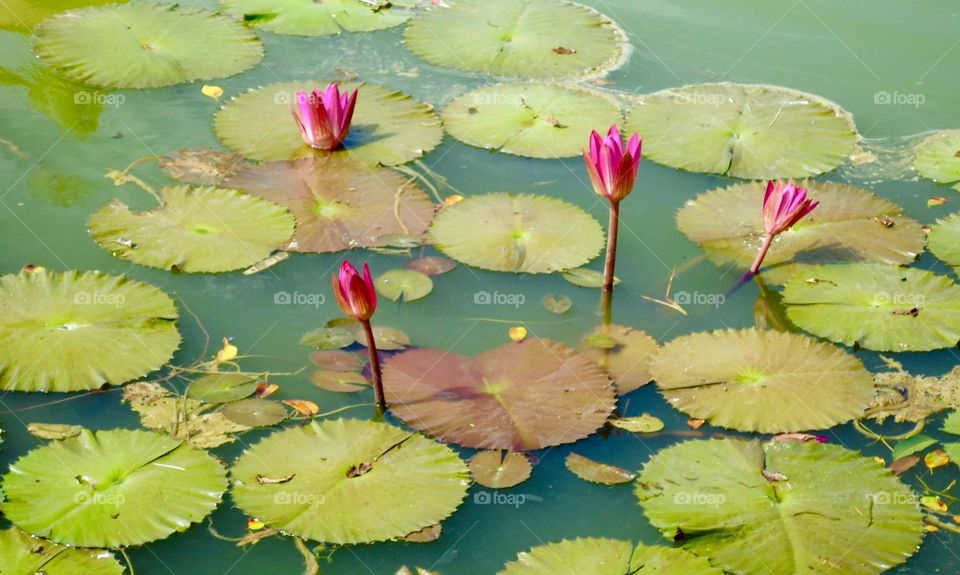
324,116
355,293
784,204
612,169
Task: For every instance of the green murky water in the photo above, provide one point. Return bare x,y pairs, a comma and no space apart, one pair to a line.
852,53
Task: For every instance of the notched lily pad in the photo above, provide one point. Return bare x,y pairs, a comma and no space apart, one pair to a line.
339,204
351,481
520,396
624,352
532,39
339,381
75,331
329,338
850,225
145,45
202,230
517,233
944,240
746,131
312,18
21,553
781,508
388,127
883,308
596,472
765,381
529,119
938,157
558,304
403,285
607,557
255,412
496,470
100,489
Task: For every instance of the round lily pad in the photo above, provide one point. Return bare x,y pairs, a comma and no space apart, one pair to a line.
349,481
743,130
222,387
22,554
339,381
529,119
327,338
406,285
431,265
337,360
75,331
23,15
145,45
850,225
520,396
883,308
758,380
313,18
607,557
944,240
624,352
203,230
781,508
102,489
517,233
531,39
338,203
497,471
388,127
938,157
255,412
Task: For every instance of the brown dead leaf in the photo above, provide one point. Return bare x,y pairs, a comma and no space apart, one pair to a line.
904,464
304,407
425,535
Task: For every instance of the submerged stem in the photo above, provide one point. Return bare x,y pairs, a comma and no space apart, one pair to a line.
606,298
374,366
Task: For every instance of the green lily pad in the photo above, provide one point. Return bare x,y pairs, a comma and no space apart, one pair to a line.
587,278
883,308
781,508
407,285
517,233
496,471
607,557
23,15
506,398
197,230
255,412
339,381
75,331
596,472
747,131
388,127
912,445
529,119
558,304
53,430
431,265
21,554
350,481
102,489
850,225
626,355
944,240
952,423
644,423
145,45
327,338
201,166
938,157
339,204
312,18
222,387
532,39
766,381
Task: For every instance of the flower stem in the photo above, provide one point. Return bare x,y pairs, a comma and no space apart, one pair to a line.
606,300
374,366
767,242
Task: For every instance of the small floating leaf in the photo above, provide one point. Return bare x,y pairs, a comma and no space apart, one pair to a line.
497,471
747,131
255,412
645,423
944,240
68,490
935,459
520,396
595,472
145,45
587,278
330,500
517,233
405,285
882,308
304,407
222,387
337,360
328,338
425,535
517,333
214,92
431,265
937,157
53,430
528,119
558,304
339,381
912,445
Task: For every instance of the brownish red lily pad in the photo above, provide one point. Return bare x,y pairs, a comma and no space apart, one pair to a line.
520,396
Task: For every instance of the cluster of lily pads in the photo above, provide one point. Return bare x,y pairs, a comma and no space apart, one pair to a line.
333,177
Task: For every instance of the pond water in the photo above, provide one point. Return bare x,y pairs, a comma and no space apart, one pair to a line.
850,52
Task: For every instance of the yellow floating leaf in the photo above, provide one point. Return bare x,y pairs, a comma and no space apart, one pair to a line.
254,524
266,389
227,353
518,333
212,91
930,528
645,423
936,201
933,502
304,407
451,200
935,459
33,269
